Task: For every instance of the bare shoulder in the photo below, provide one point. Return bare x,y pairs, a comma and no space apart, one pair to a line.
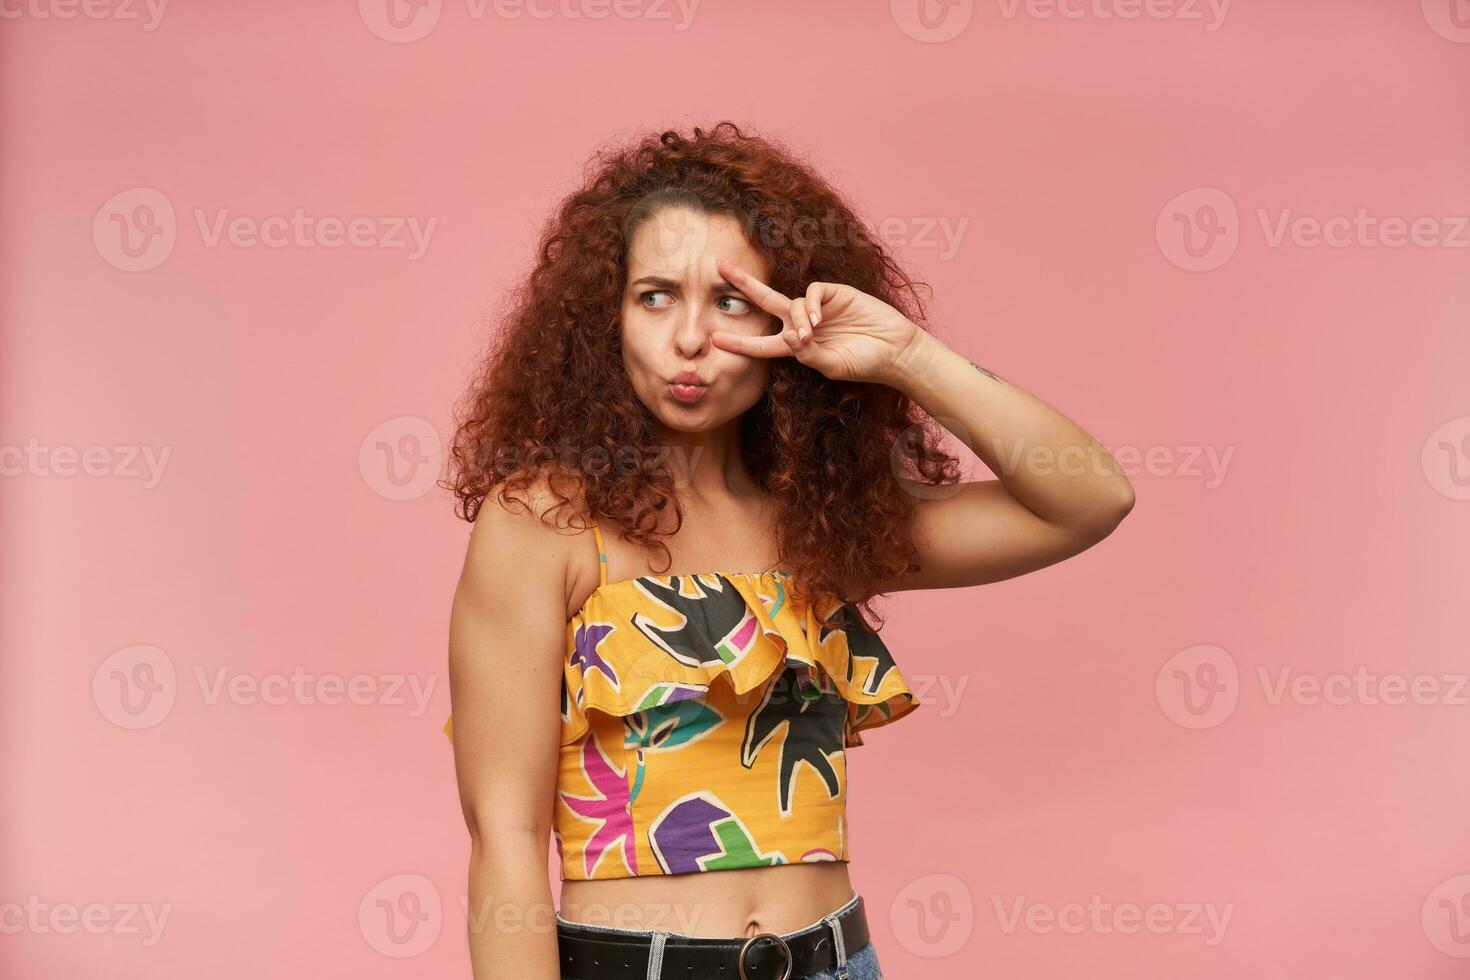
524,538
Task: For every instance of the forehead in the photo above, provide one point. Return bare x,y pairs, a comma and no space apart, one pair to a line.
677,242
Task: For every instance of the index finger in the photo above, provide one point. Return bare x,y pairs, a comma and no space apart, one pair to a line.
762,295
771,345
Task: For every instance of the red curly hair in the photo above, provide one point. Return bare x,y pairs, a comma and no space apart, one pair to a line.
552,383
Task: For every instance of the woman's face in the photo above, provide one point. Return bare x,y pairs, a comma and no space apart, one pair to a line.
673,300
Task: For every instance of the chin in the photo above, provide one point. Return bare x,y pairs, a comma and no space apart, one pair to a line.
688,422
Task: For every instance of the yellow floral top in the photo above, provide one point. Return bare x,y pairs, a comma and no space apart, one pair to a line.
705,719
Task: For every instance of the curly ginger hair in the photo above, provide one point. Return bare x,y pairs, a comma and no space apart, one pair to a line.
831,453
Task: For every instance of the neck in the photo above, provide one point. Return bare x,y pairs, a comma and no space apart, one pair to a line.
708,465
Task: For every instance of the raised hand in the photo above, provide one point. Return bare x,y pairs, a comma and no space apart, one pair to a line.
840,331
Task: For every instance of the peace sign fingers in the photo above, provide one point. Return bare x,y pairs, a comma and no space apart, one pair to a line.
796,324
756,291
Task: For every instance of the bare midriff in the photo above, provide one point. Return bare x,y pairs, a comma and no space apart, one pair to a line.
738,902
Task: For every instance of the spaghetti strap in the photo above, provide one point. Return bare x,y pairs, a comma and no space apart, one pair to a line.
601,555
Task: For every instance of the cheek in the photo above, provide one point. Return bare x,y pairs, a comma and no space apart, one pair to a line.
635,342
637,368
748,379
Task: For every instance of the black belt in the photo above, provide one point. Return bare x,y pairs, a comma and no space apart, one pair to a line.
587,954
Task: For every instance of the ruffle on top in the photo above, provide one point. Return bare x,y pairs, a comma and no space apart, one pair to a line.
656,640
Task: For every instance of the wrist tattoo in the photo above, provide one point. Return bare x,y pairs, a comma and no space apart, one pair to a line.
990,374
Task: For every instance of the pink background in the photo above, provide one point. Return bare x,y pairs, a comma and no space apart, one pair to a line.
284,381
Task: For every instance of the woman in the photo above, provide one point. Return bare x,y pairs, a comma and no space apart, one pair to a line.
713,359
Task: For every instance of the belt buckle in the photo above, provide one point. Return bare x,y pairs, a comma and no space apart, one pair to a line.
790,961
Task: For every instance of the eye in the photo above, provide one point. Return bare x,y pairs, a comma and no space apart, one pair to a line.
742,307
643,298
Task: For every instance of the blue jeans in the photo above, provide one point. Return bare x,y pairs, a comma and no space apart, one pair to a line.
862,964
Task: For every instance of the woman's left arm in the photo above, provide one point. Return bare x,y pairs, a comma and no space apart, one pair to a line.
1059,490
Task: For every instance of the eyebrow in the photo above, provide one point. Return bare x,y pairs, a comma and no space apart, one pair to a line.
659,281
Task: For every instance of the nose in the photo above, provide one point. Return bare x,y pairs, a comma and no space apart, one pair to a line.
691,334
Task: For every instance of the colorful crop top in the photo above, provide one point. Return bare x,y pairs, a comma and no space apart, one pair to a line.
704,721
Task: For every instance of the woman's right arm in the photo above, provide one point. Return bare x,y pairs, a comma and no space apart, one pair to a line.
507,639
